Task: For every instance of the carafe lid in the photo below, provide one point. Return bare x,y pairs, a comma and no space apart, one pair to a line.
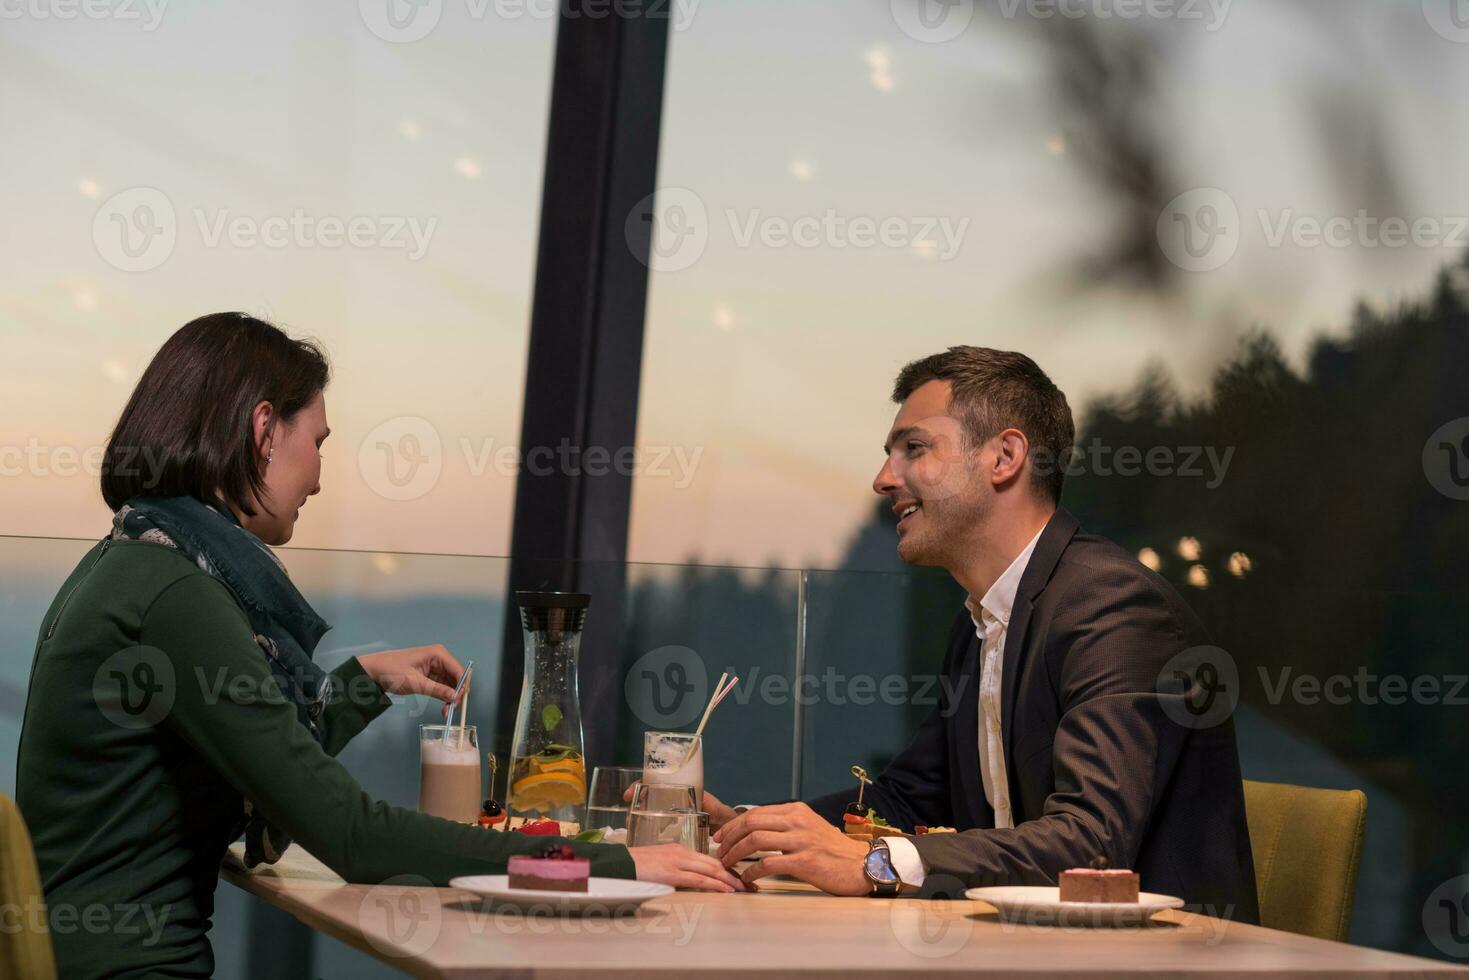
553,611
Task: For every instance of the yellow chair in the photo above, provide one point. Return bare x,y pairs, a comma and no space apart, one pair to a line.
1308,845
25,940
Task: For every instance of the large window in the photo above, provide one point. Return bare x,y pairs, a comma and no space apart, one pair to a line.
1234,236
367,174
850,185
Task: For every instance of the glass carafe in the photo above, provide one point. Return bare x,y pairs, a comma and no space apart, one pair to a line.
548,776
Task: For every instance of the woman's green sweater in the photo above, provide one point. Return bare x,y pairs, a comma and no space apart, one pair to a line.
151,716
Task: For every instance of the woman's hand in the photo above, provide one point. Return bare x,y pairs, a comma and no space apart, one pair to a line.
719,812
676,865
430,670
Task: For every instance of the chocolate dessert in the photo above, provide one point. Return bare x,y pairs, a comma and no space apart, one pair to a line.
1099,883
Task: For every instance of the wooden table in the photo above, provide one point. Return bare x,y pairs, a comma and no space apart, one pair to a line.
788,928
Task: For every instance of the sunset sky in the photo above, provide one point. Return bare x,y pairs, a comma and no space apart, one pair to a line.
766,367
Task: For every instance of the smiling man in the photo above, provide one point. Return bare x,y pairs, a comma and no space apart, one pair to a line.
1063,733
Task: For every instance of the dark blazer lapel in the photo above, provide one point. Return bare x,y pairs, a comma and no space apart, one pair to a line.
966,734
1057,534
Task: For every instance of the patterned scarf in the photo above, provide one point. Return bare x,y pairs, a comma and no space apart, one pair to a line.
286,628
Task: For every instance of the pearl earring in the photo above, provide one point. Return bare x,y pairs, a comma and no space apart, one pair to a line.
270,456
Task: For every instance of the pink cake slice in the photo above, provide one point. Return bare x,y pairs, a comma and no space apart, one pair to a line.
549,874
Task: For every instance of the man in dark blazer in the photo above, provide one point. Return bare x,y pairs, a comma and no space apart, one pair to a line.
1075,722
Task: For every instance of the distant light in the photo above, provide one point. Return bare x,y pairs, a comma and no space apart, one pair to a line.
409,130
467,168
115,371
880,61
802,169
925,249
879,58
1189,549
1056,145
724,317
84,298
89,187
1239,564
385,563
1150,558
1198,576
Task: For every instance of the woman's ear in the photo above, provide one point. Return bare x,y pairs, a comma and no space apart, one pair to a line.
262,425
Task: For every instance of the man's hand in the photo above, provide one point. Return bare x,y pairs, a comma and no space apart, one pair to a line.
676,865
810,848
430,670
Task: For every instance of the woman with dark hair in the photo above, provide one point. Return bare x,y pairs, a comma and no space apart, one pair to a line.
173,701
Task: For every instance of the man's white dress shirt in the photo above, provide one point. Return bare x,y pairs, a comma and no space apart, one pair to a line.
991,617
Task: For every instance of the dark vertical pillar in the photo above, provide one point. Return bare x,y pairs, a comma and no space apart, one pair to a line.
586,340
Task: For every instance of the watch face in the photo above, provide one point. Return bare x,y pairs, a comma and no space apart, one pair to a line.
880,867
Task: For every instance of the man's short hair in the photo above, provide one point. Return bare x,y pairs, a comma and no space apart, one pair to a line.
994,390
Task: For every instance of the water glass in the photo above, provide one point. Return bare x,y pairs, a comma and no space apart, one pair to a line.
607,799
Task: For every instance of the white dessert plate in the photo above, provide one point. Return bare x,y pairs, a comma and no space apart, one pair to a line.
1041,905
603,895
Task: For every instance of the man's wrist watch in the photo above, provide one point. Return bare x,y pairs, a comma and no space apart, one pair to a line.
878,867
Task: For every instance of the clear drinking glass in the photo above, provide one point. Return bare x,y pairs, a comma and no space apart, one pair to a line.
663,814
607,798
663,797
675,757
449,780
